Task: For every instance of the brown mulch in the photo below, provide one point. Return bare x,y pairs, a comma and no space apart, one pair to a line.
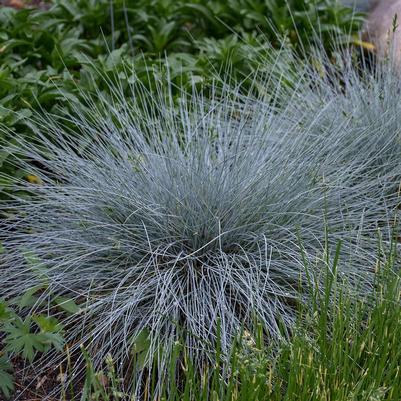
31,386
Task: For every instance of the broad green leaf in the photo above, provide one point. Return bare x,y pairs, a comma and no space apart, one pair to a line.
28,298
67,304
141,342
115,58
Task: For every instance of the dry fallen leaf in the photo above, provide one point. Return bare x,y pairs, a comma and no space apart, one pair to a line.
40,382
103,380
62,377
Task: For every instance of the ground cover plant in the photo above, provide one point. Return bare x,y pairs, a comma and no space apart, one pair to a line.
24,335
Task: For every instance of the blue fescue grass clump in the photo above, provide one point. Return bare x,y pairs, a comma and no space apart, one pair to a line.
202,216
362,339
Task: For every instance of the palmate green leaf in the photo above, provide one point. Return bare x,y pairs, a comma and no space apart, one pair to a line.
50,332
20,339
47,324
6,378
52,340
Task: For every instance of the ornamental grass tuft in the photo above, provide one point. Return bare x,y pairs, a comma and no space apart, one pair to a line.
195,217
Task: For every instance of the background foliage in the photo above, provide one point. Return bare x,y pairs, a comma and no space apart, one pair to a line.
45,53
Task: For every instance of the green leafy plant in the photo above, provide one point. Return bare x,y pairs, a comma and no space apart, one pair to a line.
26,335
102,385
22,337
